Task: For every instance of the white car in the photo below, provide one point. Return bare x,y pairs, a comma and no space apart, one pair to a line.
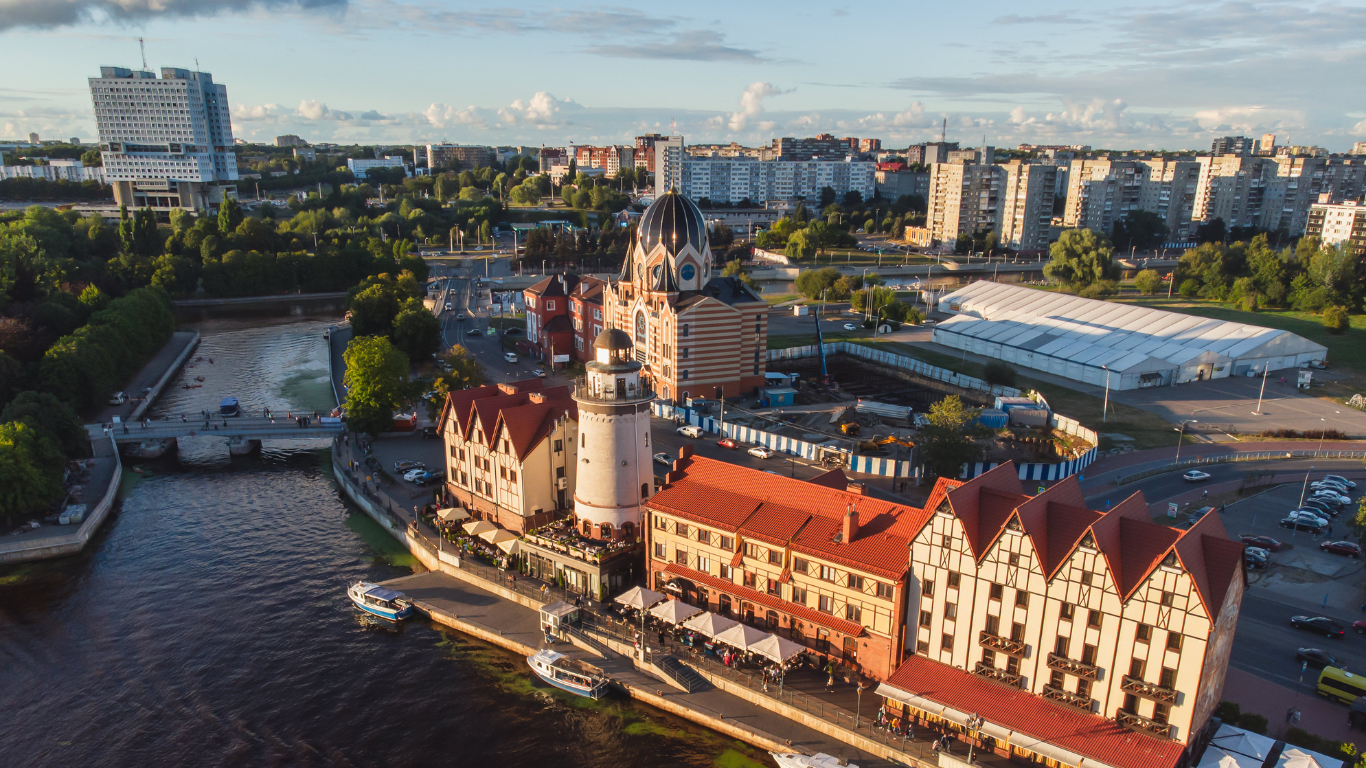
416,475
850,327
690,431
1332,496
1302,516
1340,479
1195,476
510,357
449,307
761,452
118,398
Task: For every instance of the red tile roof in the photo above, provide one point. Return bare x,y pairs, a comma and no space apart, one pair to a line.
776,509
1211,558
460,404
1055,521
810,615
527,422
1091,736
982,518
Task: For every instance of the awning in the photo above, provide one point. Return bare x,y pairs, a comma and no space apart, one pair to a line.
1039,747
639,598
674,611
452,514
708,624
497,536
777,648
512,546
740,636
922,704
479,526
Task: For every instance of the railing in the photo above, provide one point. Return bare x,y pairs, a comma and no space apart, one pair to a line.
1003,644
686,678
1232,458
1067,697
587,639
641,393
1142,724
1072,666
1139,687
999,675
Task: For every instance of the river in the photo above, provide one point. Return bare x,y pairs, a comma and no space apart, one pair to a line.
207,624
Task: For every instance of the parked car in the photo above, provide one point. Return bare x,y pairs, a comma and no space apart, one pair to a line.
408,464
1255,558
1332,497
1319,505
690,431
1323,625
1301,525
1359,627
514,331
1307,516
1340,479
433,478
1330,485
416,475
726,442
664,458
510,357
474,332
1261,542
1315,658
1341,548
118,398
1195,476
762,452
540,374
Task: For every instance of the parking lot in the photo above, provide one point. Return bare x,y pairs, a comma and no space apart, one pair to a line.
410,447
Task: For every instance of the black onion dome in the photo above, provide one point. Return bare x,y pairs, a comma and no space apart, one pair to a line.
675,221
613,340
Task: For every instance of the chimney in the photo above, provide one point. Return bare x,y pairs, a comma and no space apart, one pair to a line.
685,451
850,524
858,488
507,388
536,397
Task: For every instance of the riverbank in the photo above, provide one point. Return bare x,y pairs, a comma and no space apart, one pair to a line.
52,541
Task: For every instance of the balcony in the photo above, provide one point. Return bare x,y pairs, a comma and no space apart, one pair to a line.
583,391
1067,697
1139,687
1142,724
1073,667
999,675
1003,644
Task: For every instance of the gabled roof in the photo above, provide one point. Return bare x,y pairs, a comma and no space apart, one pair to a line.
460,405
589,290
528,424
1055,521
555,285
1212,559
984,504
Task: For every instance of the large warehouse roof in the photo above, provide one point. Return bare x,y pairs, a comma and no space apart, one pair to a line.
1036,325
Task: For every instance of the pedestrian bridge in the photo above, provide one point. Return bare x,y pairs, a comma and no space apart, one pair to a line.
249,428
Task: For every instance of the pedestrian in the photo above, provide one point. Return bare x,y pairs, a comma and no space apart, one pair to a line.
182,418
1289,714
1204,494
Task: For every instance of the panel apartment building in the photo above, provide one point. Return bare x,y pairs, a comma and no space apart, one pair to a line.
459,156
733,179
1342,224
965,198
1077,635
166,142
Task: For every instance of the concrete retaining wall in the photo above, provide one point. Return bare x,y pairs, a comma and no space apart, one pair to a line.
62,546
165,377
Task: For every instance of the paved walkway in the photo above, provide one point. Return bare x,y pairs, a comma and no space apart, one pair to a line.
146,378
1318,715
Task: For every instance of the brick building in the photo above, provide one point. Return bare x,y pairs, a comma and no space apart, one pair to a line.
549,330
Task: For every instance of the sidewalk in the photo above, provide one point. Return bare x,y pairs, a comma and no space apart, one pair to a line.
1318,715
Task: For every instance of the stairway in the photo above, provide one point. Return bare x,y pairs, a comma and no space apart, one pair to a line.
680,673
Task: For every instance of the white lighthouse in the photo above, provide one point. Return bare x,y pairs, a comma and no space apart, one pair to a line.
615,476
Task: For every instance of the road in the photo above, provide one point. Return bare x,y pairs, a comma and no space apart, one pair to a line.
467,324
1265,643
1167,485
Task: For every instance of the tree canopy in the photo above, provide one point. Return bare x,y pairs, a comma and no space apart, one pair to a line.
377,383
1080,258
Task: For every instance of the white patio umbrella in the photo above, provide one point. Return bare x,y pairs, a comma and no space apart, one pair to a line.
639,598
709,624
452,514
497,535
740,636
510,546
776,648
479,526
674,611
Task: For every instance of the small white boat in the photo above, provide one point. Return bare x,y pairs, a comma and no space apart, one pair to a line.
147,449
240,446
380,601
567,674
818,760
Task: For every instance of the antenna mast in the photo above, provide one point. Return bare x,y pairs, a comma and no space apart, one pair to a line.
143,47
943,129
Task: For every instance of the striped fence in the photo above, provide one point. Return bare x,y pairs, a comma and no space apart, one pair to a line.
918,367
1055,471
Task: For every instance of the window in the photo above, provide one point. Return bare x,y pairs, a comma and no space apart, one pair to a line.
703,537
1088,654
1057,679
1167,679
728,543
826,604
550,304
683,329
681,556
922,646
644,490
950,610
683,353
559,472
512,475
1136,666
1065,612
855,582
775,557
704,563
953,580
1060,646
996,591
1093,618
884,590
772,587
925,618
1021,598
1143,634
660,552
989,658
1173,641
927,588
685,374
1017,631
853,613
946,642
1130,703
798,595
683,530
828,573
661,523
1084,688
755,551
1014,558
749,579
993,625
727,573
799,565
1012,665
1168,598
452,451
1161,712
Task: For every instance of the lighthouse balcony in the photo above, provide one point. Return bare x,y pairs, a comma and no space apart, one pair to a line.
600,391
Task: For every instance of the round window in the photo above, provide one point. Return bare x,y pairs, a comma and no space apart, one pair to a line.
688,272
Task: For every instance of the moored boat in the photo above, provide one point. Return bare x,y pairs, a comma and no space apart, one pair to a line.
380,601
818,760
228,406
567,674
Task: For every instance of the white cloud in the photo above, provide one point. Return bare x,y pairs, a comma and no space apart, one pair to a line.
316,110
752,104
269,112
442,116
1359,129
541,110
1250,119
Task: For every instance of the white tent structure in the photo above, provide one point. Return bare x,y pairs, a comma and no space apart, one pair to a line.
479,527
674,611
498,536
639,598
511,546
709,624
452,514
740,636
1088,340
1240,742
777,648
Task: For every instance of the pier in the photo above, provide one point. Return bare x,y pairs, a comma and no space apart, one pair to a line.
246,428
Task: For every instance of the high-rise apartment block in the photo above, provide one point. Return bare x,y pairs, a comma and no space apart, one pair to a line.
820,147
668,167
166,142
736,179
459,156
645,150
964,199
610,159
1341,224
1233,145
1027,206
290,140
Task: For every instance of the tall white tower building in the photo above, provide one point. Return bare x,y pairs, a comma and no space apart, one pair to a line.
166,142
615,474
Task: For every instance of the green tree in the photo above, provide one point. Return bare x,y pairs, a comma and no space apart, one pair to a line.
49,416
945,443
1141,230
1335,319
373,309
27,482
457,369
377,382
800,246
812,283
870,226
417,332
734,269
93,299
92,158
1080,257
1148,282
229,215
999,372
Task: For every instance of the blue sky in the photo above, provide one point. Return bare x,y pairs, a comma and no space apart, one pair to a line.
1100,73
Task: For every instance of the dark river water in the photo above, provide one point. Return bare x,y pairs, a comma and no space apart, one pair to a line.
207,624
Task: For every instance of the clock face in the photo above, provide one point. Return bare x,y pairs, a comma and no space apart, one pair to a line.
657,270
688,272
640,272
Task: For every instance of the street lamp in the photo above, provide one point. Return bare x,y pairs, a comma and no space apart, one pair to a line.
973,723
1303,489
1266,366
858,709
1184,422
1322,433
1105,409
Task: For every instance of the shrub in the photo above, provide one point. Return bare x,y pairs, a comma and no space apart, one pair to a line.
999,373
1148,282
1190,288
1100,290
1335,319
1308,434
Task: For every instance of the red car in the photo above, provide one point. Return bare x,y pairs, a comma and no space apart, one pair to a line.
1341,548
726,442
1264,542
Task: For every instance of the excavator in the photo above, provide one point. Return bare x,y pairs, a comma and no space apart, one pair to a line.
878,442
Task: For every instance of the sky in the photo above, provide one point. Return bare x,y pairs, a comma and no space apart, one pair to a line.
1107,74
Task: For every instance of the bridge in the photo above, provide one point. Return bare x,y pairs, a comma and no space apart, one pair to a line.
247,428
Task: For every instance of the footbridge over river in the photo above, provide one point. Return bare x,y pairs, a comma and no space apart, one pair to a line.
246,428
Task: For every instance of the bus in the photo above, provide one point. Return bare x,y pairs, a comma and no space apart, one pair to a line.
1342,685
